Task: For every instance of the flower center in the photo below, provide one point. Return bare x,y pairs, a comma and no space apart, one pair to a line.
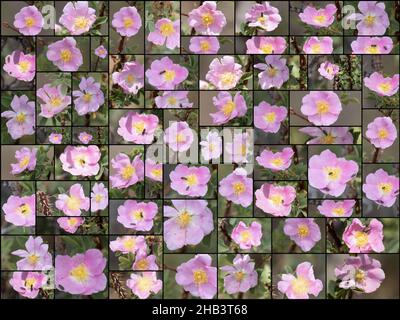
29,21
72,221
24,66
300,285
128,22
33,259
385,187
128,171
169,75
98,198
20,117
73,203
66,55
333,173
30,283
200,277
262,19
272,72
55,102
167,29
129,243
359,276
303,230
80,273
207,19
101,52
228,108
245,235
270,117
81,22
276,199
361,238
204,45
316,48
320,18
130,79
191,180
372,49
24,162
156,172
80,160
267,48
238,188
172,101
228,78
24,210
180,138
385,86
138,214
139,127
369,20
87,97
339,211
328,139
144,284
239,276
142,264
277,162
383,133
322,106
184,219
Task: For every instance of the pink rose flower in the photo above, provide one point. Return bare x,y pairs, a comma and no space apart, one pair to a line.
211,147
224,73
237,187
82,273
360,273
89,98
321,107
29,21
20,211
21,117
65,55
26,160
130,78
301,285
78,17
373,18
173,100
189,222
74,203
28,284
36,256
303,231
315,45
164,74
275,200
327,135
264,16
336,209
198,277
144,262
127,21
381,188
240,149
204,45
85,137
266,45
190,181
52,100
166,32
70,225
138,216
81,161
55,138
228,108
330,174
129,244
269,117
277,161
381,132
153,170
372,45
128,172
101,52
318,18
206,19
364,239
99,197
138,128
247,237
179,136
383,86
328,70
20,66
144,285
274,72
240,277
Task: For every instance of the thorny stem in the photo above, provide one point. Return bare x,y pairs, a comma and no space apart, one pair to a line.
300,116
376,155
228,209
121,44
334,236
169,268
117,285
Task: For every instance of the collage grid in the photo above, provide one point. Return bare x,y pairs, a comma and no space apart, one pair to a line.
124,199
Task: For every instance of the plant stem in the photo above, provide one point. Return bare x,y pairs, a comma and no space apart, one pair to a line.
376,155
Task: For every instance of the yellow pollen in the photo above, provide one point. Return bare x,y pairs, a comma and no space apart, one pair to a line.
29,21
200,277
316,48
372,49
303,230
383,133
130,79
339,211
262,19
320,19
300,285
169,75
24,162
138,214
277,162
73,203
98,197
24,210
207,19
144,284
385,187
270,117
80,273
329,70
87,97
204,45
20,117
328,139
191,180
385,87
272,72
72,221
55,102
180,138
172,100
128,172
361,238
129,243
80,160
211,147
243,150
128,22
359,276
239,276
228,78
322,106
33,259
333,173
138,126
245,235
142,264
156,172
369,20
267,49
228,107
24,66
66,55
184,219
167,29
276,199
101,52
81,22
30,282
238,188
